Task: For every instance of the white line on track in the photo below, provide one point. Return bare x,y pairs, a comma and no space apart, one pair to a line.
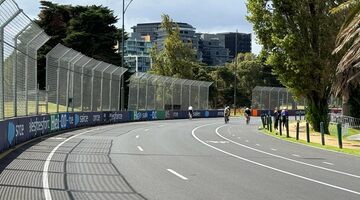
137,136
161,125
45,176
273,149
258,145
140,149
247,141
266,166
177,174
146,130
295,155
285,158
328,163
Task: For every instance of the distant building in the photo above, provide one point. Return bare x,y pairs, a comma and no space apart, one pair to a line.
137,52
158,35
243,42
213,50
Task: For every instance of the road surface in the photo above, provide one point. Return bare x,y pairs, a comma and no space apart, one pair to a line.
177,159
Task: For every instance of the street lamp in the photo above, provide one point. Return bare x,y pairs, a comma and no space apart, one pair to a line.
235,67
123,49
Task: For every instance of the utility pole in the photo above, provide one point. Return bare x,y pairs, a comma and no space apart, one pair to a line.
123,51
235,67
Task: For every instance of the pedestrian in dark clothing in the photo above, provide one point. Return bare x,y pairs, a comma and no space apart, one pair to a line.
276,118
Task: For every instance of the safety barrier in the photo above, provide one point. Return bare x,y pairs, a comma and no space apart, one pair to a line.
19,130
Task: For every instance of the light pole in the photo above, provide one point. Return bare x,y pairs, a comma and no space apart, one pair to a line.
235,67
123,50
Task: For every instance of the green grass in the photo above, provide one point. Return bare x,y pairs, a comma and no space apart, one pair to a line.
326,147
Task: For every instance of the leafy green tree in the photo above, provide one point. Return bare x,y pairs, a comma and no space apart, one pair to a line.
174,58
299,37
348,43
87,29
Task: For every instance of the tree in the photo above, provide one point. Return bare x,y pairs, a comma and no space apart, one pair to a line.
299,37
174,58
348,41
87,29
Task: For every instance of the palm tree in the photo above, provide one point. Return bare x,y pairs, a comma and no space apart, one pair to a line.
348,41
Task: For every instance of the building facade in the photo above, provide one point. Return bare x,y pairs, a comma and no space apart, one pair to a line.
137,53
212,49
243,42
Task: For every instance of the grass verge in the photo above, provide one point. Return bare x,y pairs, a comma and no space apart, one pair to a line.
316,145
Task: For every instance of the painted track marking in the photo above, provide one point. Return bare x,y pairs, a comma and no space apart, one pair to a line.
285,158
45,176
266,166
177,174
140,149
328,163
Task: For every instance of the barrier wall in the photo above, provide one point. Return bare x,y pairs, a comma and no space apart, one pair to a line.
19,130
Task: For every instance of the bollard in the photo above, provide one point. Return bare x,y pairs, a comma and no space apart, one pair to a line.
339,135
280,127
270,122
307,132
263,121
297,130
322,133
287,127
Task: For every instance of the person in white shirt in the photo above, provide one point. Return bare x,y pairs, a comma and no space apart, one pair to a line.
190,112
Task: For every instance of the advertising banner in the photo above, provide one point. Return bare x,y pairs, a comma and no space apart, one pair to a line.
4,143
118,117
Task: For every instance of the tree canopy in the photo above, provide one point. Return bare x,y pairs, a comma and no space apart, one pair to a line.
88,29
175,58
299,37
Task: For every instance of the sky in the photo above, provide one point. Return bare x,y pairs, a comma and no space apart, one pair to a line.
207,16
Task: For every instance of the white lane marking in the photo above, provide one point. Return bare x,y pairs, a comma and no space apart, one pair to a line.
146,130
239,137
217,142
268,167
177,174
328,163
285,158
137,137
258,145
57,138
161,125
295,155
246,140
45,175
273,149
140,149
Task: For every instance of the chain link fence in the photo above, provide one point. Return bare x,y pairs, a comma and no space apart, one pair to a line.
153,92
264,98
20,39
75,82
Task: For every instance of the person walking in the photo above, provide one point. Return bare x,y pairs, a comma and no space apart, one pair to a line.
276,118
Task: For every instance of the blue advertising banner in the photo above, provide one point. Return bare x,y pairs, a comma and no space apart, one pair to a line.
117,117
4,143
180,115
39,125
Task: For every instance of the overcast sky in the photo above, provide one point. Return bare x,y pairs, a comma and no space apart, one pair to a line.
209,16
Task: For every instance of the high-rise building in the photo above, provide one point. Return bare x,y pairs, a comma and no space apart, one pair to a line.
243,42
137,53
213,50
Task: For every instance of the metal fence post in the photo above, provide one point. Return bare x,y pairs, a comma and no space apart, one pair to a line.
101,86
146,93
2,81
82,84
72,80
15,63
190,88
92,85
110,91
199,96
68,81
163,93
58,79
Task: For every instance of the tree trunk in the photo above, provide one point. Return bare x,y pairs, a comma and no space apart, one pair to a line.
345,102
317,111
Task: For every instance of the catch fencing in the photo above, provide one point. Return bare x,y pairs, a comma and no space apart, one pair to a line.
75,82
148,91
271,97
20,39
